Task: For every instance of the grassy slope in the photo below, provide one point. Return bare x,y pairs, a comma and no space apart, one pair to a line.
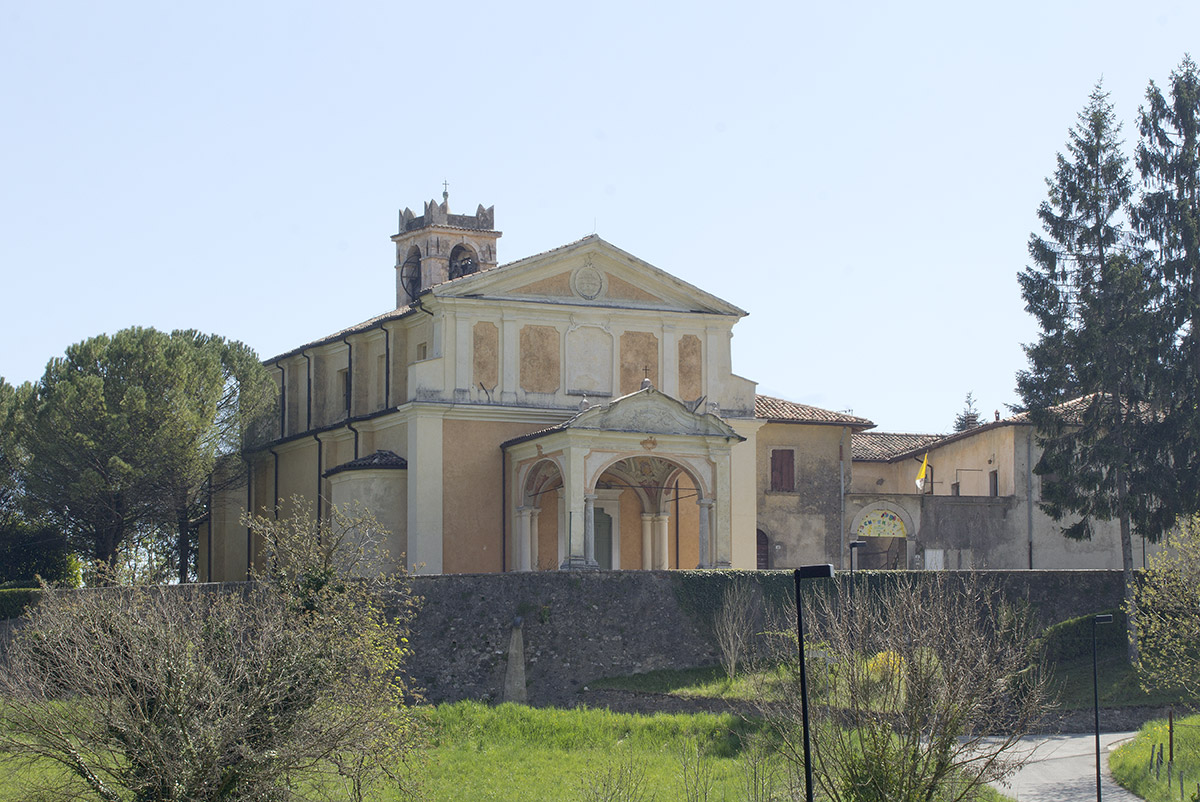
498,754
1131,763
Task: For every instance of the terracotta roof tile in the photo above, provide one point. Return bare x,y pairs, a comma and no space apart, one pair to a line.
382,459
780,410
885,446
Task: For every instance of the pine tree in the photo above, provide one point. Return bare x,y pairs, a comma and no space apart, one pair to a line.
1167,217
1094,368
969,417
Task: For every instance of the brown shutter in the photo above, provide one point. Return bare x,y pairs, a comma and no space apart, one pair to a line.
782,473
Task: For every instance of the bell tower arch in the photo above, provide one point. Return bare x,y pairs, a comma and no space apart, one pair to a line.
439,246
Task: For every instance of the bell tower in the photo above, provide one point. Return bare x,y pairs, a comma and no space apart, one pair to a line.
439,246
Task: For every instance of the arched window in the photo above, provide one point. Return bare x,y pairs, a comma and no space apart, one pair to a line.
410,272
463,261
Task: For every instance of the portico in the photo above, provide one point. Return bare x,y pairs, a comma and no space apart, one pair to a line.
641,482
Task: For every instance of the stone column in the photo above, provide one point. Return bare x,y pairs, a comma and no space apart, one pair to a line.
534,513
521,541
589,530
647,541
660,541
705,533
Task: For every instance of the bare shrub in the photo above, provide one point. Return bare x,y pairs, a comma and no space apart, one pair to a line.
761,780
623,780
286,688
736,623
695,772
921,688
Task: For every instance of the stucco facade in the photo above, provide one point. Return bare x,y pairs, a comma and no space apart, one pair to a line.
578,409
575,409
979,507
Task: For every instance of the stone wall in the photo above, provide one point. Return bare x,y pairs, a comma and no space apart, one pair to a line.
581,626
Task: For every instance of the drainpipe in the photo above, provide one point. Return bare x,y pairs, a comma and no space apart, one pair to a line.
842,492
1029,491
275,493
387,366
210,526
320,451
504,511
349,389
282,399
350,426
249,531
308,419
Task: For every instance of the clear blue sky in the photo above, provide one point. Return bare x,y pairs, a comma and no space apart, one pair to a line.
861,177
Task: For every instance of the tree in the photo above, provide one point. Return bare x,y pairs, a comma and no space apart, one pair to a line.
918,689
1168,603
222,393
10,408
1095,369
122,432
1167,217
969,417
287,688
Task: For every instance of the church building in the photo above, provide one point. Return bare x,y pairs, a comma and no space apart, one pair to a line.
578,409
573,409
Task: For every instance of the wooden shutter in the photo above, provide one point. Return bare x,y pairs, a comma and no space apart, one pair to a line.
783,476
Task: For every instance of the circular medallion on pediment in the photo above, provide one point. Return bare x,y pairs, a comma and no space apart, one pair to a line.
588,283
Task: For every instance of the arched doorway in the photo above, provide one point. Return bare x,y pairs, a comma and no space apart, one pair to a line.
885,533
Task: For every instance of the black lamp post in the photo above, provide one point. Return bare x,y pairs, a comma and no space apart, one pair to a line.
1097,619
824,571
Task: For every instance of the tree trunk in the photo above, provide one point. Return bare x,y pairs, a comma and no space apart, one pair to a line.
183,543
1127,571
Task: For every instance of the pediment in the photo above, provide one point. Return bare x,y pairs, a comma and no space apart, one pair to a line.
649,411
590,272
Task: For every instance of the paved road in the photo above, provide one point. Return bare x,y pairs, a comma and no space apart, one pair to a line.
1063,769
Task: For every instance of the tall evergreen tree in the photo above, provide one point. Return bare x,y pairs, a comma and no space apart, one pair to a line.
1093,368
1167,218
969,417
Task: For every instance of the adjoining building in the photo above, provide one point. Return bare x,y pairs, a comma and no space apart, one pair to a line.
578,409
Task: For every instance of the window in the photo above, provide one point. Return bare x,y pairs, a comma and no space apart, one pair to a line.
929,480
422,351
783,475
994,483
1047,482
955,489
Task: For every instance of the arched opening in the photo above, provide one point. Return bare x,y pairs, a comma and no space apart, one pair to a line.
410,272
463,261
535,544
763,544
659,517
886,537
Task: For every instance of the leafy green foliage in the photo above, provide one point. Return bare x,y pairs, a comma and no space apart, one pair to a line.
29,550
1168,601
121,433
14,601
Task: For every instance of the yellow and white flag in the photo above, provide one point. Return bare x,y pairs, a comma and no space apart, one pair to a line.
921,473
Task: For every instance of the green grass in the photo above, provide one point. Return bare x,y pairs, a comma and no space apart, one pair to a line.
511,752
1067,647
1131,766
